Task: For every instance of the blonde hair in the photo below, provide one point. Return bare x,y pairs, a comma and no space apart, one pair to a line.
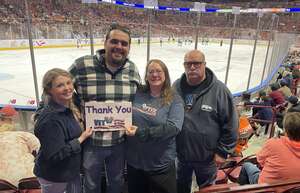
48,79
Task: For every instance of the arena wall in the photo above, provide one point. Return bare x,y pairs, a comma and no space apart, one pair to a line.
64,43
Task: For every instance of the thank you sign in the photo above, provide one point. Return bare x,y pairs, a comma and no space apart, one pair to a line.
108,116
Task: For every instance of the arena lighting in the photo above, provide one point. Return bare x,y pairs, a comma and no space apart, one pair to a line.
207,10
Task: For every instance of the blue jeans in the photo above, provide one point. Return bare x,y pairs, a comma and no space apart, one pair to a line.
205,175
94,157
73,186
249,174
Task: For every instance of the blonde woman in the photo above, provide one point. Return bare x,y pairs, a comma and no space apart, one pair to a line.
58,161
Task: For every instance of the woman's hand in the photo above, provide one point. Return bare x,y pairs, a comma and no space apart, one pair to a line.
85,134
130,131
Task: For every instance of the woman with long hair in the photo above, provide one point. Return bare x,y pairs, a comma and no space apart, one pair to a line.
58,161
151,146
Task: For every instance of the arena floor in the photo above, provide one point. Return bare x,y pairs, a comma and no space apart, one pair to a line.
17,85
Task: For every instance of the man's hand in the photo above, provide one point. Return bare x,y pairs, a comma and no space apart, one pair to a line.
130,131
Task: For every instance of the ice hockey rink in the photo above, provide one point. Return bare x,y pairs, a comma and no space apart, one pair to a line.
16,78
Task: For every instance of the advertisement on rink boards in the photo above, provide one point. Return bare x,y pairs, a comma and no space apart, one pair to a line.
108,116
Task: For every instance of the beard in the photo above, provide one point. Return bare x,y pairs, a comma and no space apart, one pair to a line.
119,61
6,127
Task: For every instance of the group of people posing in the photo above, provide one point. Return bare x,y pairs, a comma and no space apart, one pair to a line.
193,121
177,130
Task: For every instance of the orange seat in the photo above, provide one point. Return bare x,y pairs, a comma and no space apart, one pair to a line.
221,177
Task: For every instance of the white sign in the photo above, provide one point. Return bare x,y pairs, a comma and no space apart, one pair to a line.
89,1
199,6
108,116
236,10
151,3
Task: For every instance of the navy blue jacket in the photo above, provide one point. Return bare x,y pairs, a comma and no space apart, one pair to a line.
59,157
210,122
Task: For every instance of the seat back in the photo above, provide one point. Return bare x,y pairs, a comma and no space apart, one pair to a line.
217,188
29,185
7,187
282,187
234,172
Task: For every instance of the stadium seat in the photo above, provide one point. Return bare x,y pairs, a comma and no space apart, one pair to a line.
282,187
29,185
7,187
234,172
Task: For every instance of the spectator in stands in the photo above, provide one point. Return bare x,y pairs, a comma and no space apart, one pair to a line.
107,76
242,110
58,162
245,132
284,89
295,105
276,96
262,110
7,113
151,148
279,157
209,131
17,149
287,77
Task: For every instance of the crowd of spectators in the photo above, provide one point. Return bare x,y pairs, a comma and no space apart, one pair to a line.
55,19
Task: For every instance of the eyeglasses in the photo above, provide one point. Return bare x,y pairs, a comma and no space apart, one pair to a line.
116,42
196,64
159,72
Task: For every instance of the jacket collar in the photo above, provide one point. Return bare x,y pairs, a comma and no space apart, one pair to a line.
55,107
197,91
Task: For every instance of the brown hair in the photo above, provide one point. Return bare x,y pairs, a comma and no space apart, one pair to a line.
167,92
291,124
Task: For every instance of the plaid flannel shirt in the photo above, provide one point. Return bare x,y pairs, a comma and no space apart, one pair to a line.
94,82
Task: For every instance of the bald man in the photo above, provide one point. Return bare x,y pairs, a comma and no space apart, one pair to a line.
209,131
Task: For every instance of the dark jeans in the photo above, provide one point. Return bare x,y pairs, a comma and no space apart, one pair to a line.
249,174
205,175
140,181
93,159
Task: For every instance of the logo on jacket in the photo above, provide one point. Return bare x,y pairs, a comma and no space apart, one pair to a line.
189,99
206,108
146,109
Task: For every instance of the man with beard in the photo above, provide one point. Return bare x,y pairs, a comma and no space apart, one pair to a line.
209,131
107,76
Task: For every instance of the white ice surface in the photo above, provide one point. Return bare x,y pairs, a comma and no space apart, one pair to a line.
16,79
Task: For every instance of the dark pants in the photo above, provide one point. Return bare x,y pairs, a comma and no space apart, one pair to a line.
140,181
93,159
73,186
249,174
205,175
